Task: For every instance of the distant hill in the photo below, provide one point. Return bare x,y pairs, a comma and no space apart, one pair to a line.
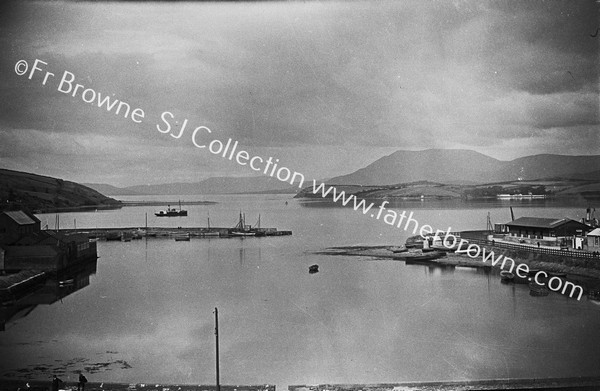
22,190
217,185
458,166
590,176
424,190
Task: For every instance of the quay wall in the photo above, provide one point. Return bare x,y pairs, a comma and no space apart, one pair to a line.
556,384
529,254
136,232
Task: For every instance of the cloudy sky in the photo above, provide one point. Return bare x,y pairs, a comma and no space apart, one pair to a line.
326,87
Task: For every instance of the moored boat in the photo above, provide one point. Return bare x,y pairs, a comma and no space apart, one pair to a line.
242,229
182,237
506,276
171,212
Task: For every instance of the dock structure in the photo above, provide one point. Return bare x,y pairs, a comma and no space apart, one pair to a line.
127,233
555,384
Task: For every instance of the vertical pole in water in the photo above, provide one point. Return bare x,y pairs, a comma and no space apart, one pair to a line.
217,345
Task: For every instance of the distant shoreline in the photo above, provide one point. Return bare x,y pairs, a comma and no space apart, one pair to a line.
119,205
590,276
162,203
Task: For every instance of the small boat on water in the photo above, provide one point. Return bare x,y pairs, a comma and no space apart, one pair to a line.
242,233
313,269
113,236
506,276
183,238
170,212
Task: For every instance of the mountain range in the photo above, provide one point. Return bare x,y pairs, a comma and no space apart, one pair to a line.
457,166
216,185
449,166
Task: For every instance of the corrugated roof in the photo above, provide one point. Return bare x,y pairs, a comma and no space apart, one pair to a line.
20,217
539,222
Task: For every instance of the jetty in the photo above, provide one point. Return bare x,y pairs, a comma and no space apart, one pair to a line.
132,233
556,384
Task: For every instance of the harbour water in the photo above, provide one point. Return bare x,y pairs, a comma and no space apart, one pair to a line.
147,314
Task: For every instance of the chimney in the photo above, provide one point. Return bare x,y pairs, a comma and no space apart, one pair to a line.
587,214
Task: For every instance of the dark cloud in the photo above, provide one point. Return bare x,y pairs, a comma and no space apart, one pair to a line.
545,45
290,77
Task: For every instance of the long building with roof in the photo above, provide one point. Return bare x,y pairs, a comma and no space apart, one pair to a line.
559,232
24,246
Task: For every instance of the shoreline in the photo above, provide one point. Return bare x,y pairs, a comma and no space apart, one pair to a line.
589,277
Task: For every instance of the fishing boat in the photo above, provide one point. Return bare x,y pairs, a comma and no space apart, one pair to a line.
313,269
242,229
170,212
506,276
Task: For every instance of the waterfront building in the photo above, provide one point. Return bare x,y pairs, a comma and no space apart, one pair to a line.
17,224
593,240
25,247
545,231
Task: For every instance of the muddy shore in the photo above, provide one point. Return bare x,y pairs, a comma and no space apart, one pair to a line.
588,277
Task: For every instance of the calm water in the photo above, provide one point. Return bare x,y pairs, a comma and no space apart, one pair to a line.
147,314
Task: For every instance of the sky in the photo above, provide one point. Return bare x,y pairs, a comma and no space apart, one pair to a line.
326,87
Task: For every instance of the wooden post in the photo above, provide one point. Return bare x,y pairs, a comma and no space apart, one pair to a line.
217,346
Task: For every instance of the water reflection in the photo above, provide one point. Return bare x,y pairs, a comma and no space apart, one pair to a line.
52,289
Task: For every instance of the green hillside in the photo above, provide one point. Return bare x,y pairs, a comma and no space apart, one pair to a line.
37,193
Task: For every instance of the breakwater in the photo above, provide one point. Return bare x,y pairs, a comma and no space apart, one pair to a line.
127,233
562,384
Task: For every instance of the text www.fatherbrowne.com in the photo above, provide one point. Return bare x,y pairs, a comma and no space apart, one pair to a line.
450,241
